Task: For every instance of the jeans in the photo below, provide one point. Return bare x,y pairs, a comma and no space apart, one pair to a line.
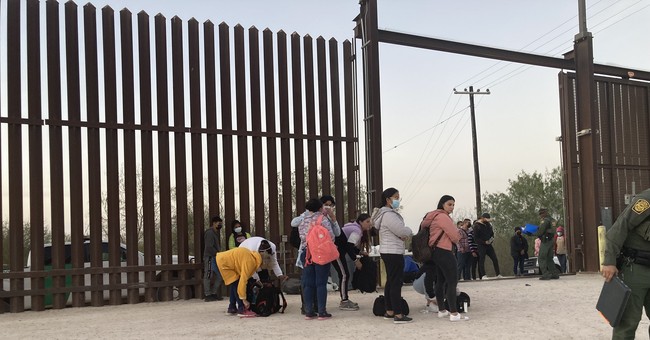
463,265
394,264
487,250
518,261
314,284
234,298
211,276
447,279
472,264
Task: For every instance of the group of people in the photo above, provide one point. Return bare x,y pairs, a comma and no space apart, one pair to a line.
351,241
245,257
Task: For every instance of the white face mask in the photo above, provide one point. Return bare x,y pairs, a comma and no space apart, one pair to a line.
238,230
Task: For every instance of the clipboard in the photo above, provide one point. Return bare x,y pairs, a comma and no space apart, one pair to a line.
612,300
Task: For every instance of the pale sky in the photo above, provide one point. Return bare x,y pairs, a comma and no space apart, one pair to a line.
517,123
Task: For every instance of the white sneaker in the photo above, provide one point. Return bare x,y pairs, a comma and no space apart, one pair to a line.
499,276
433,308
443,314
485,277
458,317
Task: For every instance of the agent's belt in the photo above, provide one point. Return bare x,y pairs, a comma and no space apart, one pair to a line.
641,257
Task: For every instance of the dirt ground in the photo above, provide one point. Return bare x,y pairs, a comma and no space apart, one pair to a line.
521,308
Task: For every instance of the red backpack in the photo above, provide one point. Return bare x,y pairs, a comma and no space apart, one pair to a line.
320,247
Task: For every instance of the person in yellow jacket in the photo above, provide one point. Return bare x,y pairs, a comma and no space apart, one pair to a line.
236,266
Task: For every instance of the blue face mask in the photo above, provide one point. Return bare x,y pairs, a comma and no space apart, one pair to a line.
395,203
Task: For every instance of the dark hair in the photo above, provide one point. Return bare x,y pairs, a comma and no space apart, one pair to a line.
326,198
265,246
444,199
314,205
362,217
234,223
385,195
216,219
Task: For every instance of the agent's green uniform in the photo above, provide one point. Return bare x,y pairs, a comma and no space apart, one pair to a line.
630,235
546,264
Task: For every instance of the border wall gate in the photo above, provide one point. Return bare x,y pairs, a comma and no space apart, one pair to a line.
601,175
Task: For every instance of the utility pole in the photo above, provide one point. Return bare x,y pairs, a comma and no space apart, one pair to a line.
477,177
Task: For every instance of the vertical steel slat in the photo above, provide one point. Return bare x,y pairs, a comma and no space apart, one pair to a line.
226,125
323,114
74,133
256,121
197,143
148,200
242,127
56,149
3,307
211,118
130,180
310,102
351,131
299,139
180,158
36,216
94,150
164,171
271,142
336,132
283,90
112,169
14,135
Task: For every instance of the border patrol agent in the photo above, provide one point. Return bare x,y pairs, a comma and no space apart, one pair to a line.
627,253
546,232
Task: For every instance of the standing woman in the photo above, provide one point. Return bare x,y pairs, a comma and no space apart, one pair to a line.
442,235
392,233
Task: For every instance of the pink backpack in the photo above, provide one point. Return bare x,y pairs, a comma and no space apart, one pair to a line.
320,247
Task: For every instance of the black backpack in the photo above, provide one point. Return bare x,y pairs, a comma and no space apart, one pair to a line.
294,237
365,279
379,306
460,302
265,300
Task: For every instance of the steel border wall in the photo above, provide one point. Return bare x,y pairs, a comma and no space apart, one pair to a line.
232,106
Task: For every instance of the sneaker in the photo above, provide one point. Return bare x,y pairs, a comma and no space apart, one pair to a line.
348,305
310,316
458,317
545,278
210,298
231,311
388,317
324,316
555,277
443,314
247,314
499,276
402,319
485,277
432,307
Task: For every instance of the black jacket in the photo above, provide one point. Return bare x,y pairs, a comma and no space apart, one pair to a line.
517,244
482,232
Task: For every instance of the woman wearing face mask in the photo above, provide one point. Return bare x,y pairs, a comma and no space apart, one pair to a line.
442,235
238,235
392,233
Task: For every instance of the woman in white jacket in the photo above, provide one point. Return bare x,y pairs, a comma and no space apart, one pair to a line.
392,234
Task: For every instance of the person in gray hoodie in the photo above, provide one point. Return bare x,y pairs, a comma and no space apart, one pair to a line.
392,234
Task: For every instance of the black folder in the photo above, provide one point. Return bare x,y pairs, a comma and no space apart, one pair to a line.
613,299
